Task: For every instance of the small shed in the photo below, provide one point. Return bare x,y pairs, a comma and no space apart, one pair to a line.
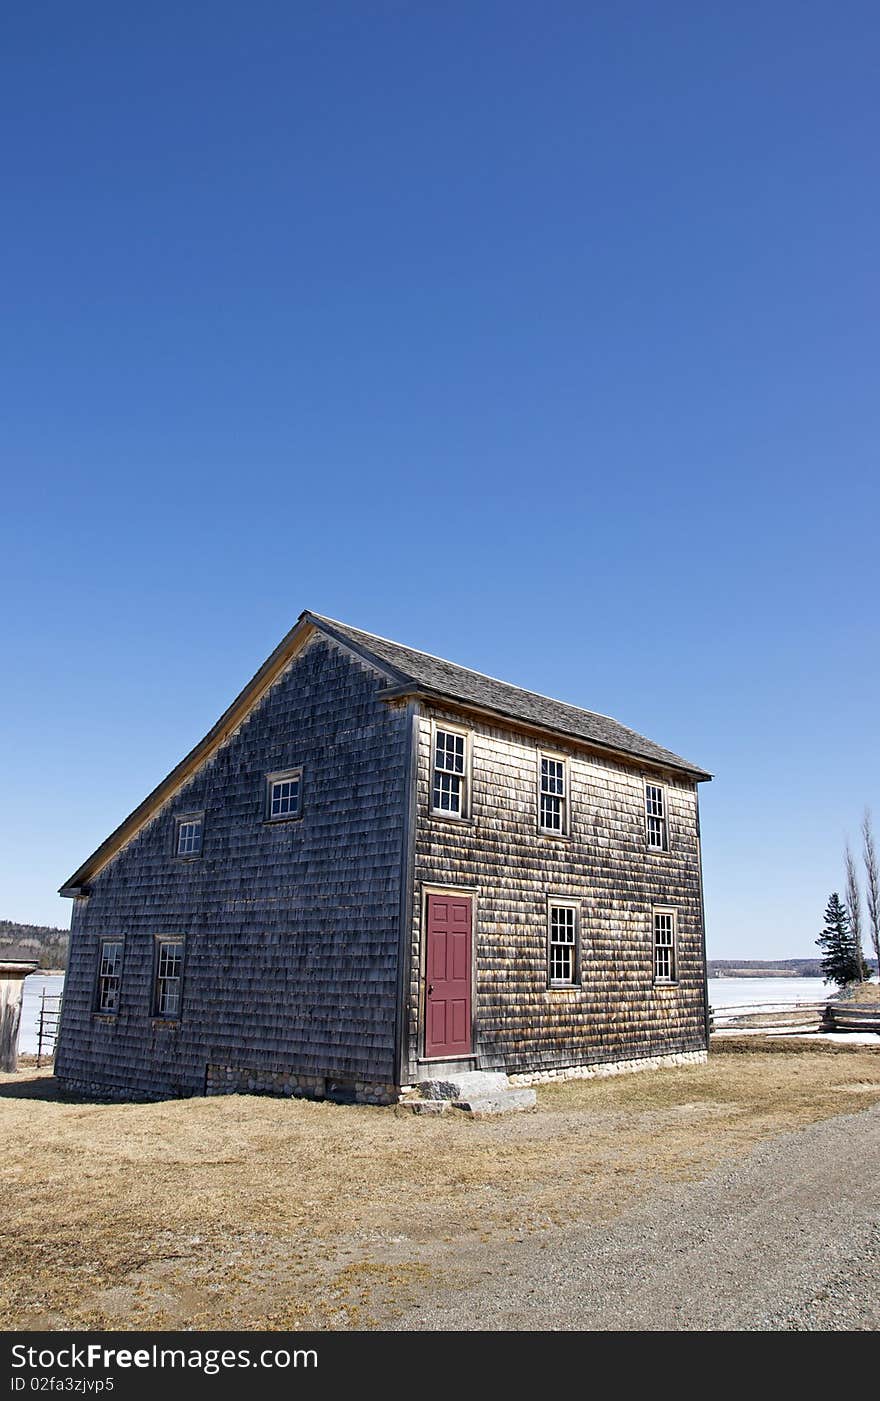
15,966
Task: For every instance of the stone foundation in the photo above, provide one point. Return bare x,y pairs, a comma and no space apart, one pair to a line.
235,1080
100,1090
231,1080
617,1067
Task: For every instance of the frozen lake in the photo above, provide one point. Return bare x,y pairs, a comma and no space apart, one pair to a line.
767,994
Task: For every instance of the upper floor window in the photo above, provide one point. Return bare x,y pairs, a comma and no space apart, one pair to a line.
188,834
284,795
562,944
169,977
109,975
664,947
655,817
449,773
553,795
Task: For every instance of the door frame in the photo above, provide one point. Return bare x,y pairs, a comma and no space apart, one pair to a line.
463,892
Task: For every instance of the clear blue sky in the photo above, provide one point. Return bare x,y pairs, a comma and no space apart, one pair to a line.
541,336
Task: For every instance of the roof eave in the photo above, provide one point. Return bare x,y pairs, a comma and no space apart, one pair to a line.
418,690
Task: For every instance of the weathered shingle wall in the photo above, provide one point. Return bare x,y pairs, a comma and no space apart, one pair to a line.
617,1013
290,928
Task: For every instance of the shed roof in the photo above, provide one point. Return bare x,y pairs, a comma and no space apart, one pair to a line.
15,956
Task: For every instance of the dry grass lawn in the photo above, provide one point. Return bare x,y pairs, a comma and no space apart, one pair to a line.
249,1212
867,994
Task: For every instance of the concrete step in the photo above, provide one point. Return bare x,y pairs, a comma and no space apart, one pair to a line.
501,1102
469,1082
423,1106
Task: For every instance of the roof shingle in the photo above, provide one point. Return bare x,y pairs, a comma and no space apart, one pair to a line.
458,683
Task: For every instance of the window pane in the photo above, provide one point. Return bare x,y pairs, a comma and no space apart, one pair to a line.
654,800
553,776
111,957
449,752
168,973
563,943
189,838
109,975
664,947
551,813
446,793
284,798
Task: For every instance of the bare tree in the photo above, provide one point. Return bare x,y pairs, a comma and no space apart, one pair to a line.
872,883
854,906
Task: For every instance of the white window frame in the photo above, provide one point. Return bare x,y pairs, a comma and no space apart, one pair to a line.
442,727
105,979
161,977
662,817
559,902
670,949
188,819
275,779
548,755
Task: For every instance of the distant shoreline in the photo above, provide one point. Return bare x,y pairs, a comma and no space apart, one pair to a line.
751,972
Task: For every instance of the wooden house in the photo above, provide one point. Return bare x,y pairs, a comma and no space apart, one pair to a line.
377,867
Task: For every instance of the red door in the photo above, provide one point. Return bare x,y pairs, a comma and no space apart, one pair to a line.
448,980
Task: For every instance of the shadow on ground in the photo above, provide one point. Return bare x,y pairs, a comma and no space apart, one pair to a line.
26,1085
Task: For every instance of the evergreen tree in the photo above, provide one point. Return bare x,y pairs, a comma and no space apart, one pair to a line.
840,962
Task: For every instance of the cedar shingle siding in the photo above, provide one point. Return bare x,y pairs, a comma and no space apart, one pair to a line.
292,981
290,928
616,1013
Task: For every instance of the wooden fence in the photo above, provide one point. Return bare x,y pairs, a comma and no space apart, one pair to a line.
843,1016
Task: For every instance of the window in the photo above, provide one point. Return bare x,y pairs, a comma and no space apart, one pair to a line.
169,972
655,816
109,975
188,834
664,946
552,795
562,944
449,776
284,795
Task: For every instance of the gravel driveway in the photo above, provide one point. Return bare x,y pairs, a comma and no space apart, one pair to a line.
787,1239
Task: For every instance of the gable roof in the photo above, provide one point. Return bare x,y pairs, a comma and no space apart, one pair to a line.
409,672
421,673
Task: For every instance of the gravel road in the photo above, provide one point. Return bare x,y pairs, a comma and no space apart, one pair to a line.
786,1239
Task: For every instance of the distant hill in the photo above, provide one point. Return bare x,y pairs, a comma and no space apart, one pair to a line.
769,968
48,945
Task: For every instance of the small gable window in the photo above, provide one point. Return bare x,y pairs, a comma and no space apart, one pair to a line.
553,795
109,975
449,787
284,795
655,817
188,834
